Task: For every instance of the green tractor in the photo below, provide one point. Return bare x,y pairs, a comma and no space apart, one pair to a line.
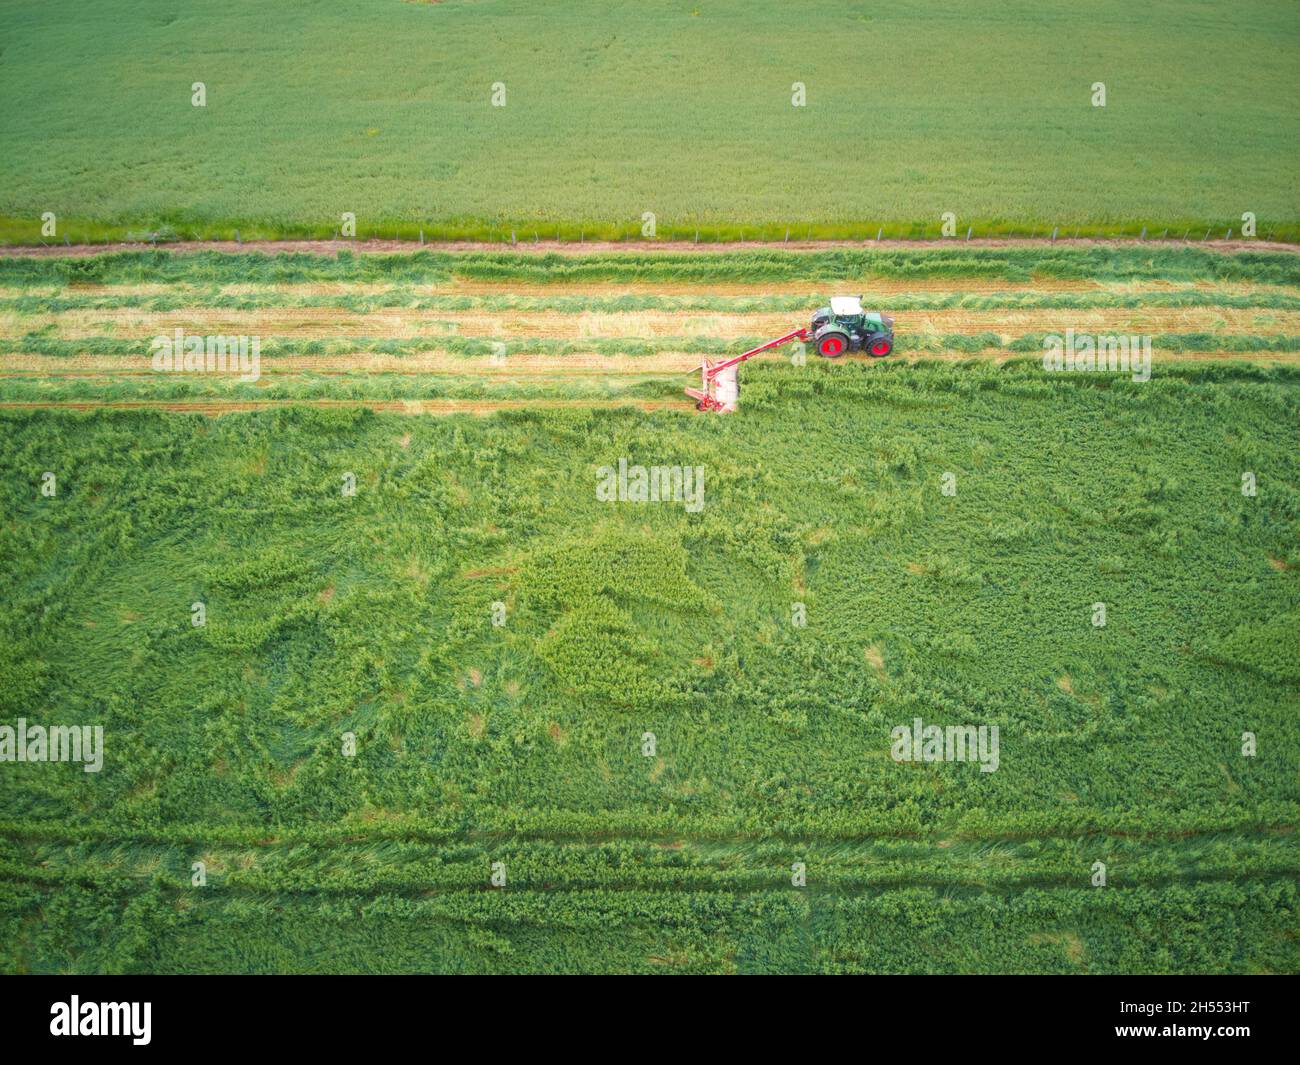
845,326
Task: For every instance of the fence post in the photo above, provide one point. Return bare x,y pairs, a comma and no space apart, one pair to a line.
1144,233
879,232
968,231
1054,231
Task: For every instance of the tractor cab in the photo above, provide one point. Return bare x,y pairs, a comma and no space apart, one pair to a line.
845,326
847,311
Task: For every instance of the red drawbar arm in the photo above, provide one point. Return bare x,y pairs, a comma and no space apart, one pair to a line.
712,371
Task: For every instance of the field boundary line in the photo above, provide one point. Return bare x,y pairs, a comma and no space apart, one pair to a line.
548,247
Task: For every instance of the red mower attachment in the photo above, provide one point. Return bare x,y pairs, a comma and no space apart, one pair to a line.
721,386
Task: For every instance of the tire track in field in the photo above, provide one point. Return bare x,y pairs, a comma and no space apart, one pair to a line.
682,884
727,836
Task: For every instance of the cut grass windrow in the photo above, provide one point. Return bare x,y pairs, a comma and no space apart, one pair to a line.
1112,263
407,299
540,382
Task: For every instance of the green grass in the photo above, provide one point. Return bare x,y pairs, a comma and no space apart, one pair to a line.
522,744
382,108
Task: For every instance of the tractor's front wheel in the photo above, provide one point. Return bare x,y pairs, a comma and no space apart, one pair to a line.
880,347
832,345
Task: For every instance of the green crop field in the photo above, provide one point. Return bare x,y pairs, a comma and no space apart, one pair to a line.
385,692
684,110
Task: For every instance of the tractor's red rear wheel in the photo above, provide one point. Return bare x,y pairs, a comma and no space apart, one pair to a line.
832,345
880,347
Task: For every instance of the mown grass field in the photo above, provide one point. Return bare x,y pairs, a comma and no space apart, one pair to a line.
482,330
524,743
384,109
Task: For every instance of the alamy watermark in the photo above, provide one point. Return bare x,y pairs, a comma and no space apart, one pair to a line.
1086,353
102,1018
208,354
57,743
951,743
626,483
